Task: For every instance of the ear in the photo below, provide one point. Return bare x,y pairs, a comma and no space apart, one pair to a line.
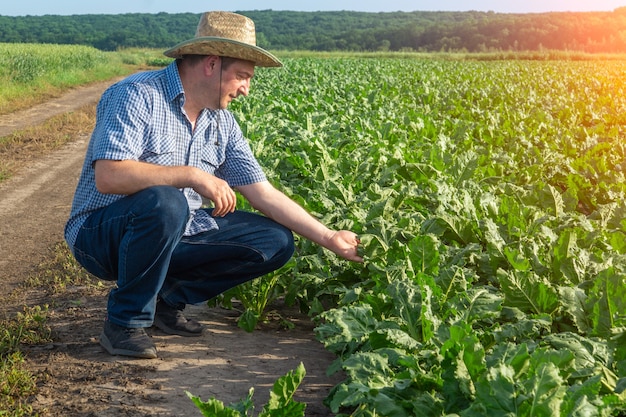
211,62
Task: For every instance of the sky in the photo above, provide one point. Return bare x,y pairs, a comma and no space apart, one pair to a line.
69,7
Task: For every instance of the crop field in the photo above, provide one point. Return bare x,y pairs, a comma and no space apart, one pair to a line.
490,200
31,71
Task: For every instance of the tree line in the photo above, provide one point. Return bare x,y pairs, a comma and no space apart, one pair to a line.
472,31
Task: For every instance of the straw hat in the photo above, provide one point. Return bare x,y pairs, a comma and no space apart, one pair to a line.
225,34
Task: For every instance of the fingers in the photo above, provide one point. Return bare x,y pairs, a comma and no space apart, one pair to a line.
219,192
354,257
224,202
354,252
348,245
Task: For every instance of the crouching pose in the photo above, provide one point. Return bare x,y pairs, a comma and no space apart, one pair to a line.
162,143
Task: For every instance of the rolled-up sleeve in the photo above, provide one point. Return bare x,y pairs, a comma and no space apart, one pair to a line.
124,115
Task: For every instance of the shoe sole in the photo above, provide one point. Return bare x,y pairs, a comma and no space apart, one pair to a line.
170,330
146,354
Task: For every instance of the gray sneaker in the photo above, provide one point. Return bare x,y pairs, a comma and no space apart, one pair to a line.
118,340
172,321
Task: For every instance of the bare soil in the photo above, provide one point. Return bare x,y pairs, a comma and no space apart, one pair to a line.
76,377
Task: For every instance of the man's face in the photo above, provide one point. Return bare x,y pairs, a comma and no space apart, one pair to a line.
236,79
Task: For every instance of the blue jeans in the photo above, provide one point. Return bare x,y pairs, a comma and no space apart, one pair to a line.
138,241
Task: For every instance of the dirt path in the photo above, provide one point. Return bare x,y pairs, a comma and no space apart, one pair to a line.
77,377
46,185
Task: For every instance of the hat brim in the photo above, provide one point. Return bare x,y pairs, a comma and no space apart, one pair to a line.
224,47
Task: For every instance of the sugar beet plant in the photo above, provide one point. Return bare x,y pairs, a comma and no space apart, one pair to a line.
489,197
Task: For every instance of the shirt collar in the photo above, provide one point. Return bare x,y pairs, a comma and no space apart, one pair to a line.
174,86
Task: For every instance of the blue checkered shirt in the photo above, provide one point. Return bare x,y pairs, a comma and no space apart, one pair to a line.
141,118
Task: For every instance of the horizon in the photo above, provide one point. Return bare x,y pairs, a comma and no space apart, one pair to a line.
112,7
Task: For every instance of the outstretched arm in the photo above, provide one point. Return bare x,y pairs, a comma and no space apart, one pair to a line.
277,206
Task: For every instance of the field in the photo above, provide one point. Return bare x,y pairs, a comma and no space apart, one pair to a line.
490,200
29,72
489,197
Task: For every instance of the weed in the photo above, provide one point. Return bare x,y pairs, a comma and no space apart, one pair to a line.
28,328
16,382
59,270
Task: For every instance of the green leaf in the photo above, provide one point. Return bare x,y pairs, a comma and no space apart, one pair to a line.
482,304
346,328
464,346
608,302
464,167
570,260
374,246
215,408
248,320
528,292
374,385
448,226
574,303
493,237
281,403
463,363
424,254
545,391
407,301
370,368
429,320
385,338
579,401
591,357
526,391
524,329
517,259
515,356
550,199
496,394
452,280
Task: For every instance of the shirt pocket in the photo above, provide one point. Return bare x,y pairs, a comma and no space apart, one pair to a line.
160,151
211,158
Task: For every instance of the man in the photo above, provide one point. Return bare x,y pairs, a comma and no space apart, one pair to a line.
162,143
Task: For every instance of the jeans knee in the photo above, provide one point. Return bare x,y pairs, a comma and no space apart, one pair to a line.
284,240
168,206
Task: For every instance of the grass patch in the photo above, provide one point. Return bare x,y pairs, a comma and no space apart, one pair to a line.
60,270
16,382
28,328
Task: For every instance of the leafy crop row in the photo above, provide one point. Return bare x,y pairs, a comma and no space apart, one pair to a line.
489,197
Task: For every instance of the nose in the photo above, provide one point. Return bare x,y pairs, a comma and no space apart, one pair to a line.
244,89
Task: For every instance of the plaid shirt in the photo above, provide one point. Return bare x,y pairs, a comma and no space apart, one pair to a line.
141,118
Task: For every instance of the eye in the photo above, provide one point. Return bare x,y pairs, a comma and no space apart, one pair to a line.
244,76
